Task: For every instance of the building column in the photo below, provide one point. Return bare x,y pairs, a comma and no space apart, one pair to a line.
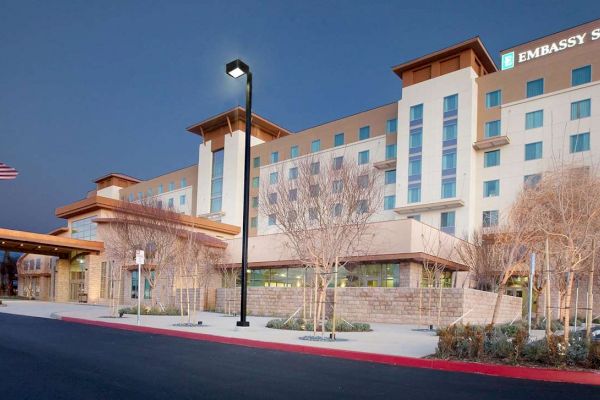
62,280
410,274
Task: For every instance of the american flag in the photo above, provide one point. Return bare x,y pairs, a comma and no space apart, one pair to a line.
7,172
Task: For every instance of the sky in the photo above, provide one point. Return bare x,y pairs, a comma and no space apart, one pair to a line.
93,87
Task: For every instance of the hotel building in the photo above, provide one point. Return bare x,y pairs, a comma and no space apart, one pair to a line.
452,154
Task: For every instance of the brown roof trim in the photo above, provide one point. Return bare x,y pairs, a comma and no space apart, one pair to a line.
474,43
117,175
40,239
58,231
98,202
418,256
237,113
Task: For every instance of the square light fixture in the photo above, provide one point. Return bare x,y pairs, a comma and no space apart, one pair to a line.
236,68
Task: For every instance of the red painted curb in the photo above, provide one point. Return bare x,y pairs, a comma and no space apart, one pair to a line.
507,371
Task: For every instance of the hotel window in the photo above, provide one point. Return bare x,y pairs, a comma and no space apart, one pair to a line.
134,284
293,195
391,126
216,188
255,182
149,194
338,162
414,194
183,182
492,128
490,218
450,103
182,200
493,99
160,188
447,222
272,198
491,158
272,219
449,161
274,157
84,228
253,222
363,181
448,188
390,151
314,190
531,181
171,186
491,188
337,210
581,109
415,140
414,167
363,207
255,202
533,151
313,213
315,168
294,151
131,197
363,157
416,113
273,178
338,139
389,202
159,204
140,195
534,119
449,131
337,186
581,75
580,142
364,132
170,203
256,162
315,146
535,88
390,177
293,173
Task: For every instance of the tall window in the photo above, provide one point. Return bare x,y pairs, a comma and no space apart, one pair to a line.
414,167
448,222
315,168
581,109
255,182
448,188
534,119
255,202
364,132
492,128
293,173
171,186
390,151
535,88
449,130
274,157
449,161
134,284
493,99
273,178
273,198
531,181
182,200
272,220
581,75
149,192
491,158
580,142
170,203
450,103
216,187
183,182
256,162
315,146
363,157
390,177
491,188
414,194
391,126
253,222
533,151
338,139
415,140
294,151
84,228
131,197
490,218
389,202
160,188
416,113
338,162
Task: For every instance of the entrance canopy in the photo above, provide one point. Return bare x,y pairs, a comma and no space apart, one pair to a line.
49,245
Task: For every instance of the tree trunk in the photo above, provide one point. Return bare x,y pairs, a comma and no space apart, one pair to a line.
567,296
501,289
590,297
548,299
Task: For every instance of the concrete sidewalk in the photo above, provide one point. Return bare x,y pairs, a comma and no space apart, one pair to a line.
388,339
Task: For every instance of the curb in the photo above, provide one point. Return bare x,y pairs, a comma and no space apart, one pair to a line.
506,371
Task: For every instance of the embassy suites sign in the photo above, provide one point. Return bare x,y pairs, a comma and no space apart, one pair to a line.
509,59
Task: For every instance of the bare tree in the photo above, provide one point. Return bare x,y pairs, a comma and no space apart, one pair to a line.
323,207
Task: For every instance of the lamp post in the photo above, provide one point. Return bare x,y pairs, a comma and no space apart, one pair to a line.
236,69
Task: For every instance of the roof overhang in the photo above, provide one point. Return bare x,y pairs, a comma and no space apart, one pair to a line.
39,243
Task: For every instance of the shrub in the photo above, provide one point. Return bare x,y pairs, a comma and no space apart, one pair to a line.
152,311
299,324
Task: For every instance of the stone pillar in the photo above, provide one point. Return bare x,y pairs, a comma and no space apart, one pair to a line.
62,280
410,274
92,278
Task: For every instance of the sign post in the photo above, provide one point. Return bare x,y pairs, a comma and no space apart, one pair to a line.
139,260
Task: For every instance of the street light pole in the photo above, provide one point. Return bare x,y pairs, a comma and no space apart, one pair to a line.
236,69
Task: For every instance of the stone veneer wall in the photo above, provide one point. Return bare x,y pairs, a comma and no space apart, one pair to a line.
391,305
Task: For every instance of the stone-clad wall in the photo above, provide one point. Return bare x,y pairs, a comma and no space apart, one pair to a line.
391,305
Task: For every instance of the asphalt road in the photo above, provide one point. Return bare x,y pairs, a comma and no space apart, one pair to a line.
50,359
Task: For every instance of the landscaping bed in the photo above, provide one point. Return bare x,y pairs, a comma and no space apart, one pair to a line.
151,311
299,324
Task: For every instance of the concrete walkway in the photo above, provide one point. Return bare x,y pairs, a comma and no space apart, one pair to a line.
389,339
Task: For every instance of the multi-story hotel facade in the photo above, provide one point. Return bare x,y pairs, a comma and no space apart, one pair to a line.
451,155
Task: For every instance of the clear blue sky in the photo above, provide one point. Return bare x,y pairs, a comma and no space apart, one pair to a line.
91,87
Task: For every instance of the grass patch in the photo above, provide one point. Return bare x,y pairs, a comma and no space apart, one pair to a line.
299,324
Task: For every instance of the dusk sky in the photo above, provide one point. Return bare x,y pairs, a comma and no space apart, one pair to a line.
90,87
